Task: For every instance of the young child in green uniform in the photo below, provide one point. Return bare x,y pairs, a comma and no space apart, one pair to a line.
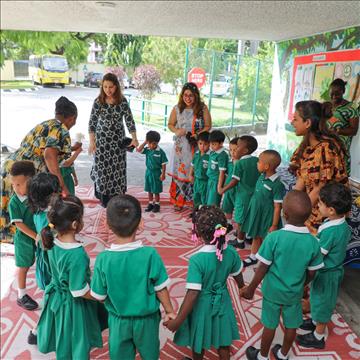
263,214
288,259
132,280
198,169
206,317
243,181
156,161
218,162
25,235
69,323
334,235
68,172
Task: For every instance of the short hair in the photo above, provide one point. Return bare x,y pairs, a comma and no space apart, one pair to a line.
203,136
340,83
65,107
297,205
153,136
337,196
273,158
217,136
251,142
123,215
23,167
234,140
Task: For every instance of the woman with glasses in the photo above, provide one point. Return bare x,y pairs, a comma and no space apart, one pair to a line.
187,119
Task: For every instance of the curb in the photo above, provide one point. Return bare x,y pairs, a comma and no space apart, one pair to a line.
19,90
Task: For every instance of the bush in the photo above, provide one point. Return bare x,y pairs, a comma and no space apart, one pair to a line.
147,79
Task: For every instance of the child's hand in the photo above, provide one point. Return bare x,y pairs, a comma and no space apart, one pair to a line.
76,182
169,316
162,177
246,293
272,228
172,325
220,190
191,179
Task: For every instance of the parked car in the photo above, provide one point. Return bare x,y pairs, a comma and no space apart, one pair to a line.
221,86
93,79
126,82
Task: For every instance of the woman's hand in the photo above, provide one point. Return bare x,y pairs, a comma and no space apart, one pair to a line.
92,148
76,146
134,142
180,132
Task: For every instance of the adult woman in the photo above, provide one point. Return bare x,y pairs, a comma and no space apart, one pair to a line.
189,116
320,156
47,145
107,133
345,119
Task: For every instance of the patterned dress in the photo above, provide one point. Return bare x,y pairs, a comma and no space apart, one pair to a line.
181,190
109,170
48,134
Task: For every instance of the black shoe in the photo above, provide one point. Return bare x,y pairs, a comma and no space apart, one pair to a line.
237,244
149,208
308,325
310,341
27,303
275,351
249,261
252,353
248,240
32,338
230,228
156,208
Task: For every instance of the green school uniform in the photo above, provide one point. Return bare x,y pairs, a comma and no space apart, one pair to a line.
212,320
127,277
66,173
334,235
24,245
69,324
259,215
218,161
43,271
200,165
228,203
289,253
246,172
155,159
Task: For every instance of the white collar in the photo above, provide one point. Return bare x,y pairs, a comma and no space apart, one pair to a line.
207,249
67,246
157,148
330,223
126,247
245,157
220,150
22,198
208,152
297,229
272,177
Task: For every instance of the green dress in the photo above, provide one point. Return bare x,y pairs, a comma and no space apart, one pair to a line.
228,203
200,165
260,213
212,320
334,236
69,324
66,173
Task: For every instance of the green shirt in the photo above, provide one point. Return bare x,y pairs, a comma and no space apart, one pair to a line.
155,159
218,161
246,172
19,212
40,220
289,253
127,277
334,235
200,165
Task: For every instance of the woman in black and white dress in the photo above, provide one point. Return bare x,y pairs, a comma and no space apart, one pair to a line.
107,133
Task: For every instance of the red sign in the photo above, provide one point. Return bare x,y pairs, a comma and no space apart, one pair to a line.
197,76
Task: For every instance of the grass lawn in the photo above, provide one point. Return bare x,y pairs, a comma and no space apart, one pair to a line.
21,84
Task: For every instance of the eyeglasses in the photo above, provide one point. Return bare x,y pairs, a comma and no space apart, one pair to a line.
188,96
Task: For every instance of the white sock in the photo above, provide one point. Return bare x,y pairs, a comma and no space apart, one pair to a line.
229,221
151,202
260,357
34,331
21,292
318,336
157,203
240,240
252,256
280,355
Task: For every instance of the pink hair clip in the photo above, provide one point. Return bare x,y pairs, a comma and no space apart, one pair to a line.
194,237
220,231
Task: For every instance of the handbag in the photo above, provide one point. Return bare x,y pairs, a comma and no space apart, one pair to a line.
125,144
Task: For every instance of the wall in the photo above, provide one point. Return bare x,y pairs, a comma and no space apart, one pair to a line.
78,75
7,71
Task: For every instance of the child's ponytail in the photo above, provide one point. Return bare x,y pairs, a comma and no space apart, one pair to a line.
47,237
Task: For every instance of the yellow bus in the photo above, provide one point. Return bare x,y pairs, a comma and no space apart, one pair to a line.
49,70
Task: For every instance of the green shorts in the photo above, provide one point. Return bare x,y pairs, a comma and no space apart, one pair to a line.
291,314
128,334
153,184
24,250
324,291
199,194
212,196
228,204
241,207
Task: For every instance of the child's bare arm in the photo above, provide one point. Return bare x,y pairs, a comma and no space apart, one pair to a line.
191,174
310,274
276,217
221,180
163,172
248,291
25,229
164,298
68,162
239,280
230,185
141,147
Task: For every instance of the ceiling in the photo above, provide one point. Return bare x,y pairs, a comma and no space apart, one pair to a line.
247,20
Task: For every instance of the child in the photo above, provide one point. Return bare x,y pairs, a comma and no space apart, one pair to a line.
40,189
198,169
131,279
288,260
25,236
206,317
263,214
244,178
69,323
334,235
156,161
218,162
